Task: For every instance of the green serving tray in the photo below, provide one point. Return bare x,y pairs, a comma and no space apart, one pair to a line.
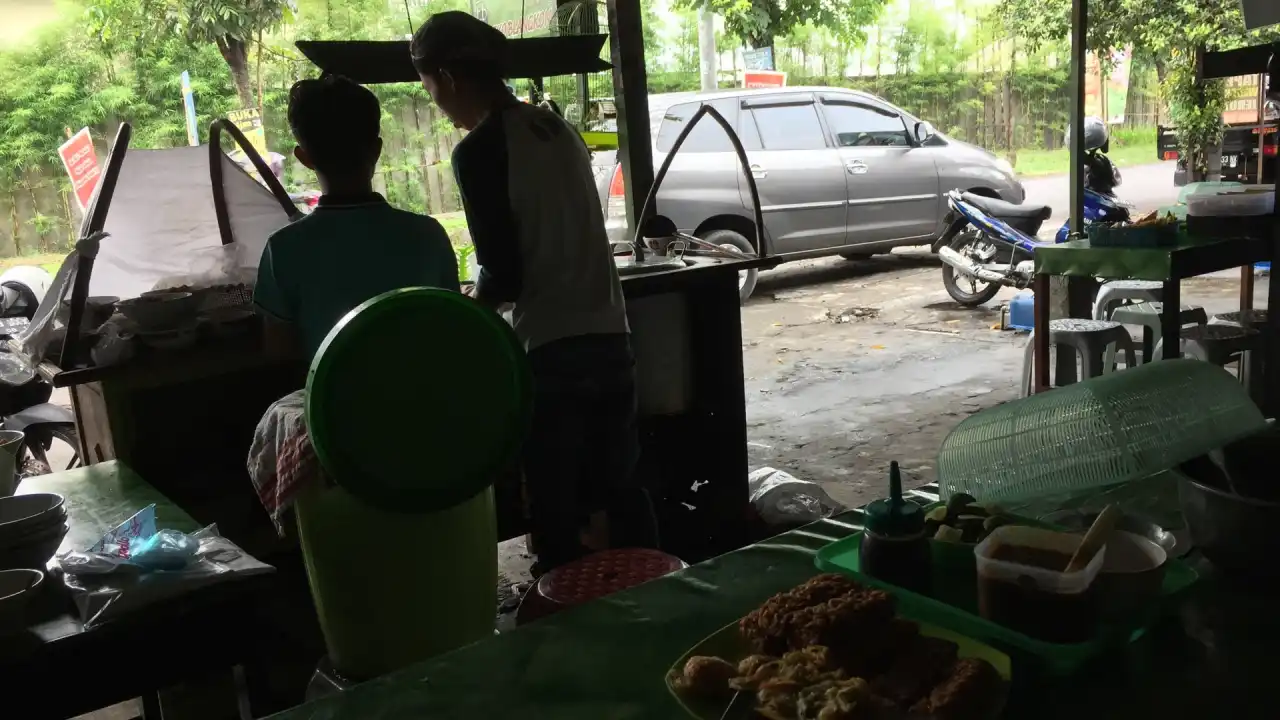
727,643
955,606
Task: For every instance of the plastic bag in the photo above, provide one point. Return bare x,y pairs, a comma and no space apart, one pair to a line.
135,565
783,499
166,550
39,336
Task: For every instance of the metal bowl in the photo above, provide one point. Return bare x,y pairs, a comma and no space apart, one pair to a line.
1236,533
1081,520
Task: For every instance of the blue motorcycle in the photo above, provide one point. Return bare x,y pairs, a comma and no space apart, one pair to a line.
990,244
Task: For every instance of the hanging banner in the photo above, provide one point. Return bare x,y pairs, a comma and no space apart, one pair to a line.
517,18
1242,100
249,121
189,107
763,79
81,162
1107,97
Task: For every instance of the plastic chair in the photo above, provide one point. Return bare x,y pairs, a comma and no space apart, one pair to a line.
1150,315
593,577
1115,293
1090,338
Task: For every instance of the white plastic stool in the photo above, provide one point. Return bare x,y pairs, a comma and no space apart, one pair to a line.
1150,316
1114,293
1091,340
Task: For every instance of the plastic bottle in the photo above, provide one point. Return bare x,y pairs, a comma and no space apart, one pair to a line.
894,547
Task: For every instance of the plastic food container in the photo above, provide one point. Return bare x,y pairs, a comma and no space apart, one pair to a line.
1022,594
1239,203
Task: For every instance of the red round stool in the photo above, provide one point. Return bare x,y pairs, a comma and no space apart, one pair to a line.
594,576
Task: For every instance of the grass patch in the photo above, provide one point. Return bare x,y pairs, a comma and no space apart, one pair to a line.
49,261
1031,163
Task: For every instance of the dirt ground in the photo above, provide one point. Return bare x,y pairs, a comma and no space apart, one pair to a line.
852,364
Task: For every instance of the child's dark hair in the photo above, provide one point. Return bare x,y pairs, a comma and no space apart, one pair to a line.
461,45
337,122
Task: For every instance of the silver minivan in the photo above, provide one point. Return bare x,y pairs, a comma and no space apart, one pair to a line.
839,172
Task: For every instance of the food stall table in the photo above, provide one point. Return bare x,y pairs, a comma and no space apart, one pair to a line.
58,669
609,658
1170,265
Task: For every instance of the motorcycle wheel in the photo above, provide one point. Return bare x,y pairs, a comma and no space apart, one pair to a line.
978,291
33,456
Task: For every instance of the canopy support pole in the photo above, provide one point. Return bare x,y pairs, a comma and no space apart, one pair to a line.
631,93
1079,23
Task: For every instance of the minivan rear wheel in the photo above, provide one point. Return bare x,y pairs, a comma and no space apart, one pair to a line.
736,241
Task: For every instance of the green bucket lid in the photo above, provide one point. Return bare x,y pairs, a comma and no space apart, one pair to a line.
418,399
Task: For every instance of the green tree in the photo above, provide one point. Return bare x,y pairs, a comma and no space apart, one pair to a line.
231,26
1166,31
758,22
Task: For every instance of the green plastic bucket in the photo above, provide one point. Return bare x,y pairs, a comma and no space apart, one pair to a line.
416,401
392,589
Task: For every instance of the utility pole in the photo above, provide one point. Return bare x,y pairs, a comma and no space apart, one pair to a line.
707,46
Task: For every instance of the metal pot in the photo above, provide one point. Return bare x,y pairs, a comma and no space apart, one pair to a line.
1238,534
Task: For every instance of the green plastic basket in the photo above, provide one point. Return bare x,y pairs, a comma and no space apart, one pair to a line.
954,606
1110,429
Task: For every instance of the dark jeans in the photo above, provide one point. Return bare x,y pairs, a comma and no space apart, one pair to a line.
581,451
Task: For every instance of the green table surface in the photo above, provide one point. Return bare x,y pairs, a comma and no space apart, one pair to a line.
100,497
1080,259
57,669
1214,656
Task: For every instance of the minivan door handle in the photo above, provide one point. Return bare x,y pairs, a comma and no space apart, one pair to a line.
856,167
759,172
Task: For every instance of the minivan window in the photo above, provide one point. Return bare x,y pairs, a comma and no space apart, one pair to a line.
789,127
708,136
864,126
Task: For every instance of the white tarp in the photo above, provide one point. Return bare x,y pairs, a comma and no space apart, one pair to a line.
163,226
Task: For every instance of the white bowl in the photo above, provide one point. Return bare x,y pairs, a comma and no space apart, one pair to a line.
23,514
17,589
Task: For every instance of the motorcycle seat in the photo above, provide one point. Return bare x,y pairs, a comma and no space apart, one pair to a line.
1006,210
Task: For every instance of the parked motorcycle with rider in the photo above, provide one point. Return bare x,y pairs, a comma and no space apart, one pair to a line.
50,441
990,244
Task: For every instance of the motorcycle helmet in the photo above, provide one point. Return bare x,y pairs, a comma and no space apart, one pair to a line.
1095,134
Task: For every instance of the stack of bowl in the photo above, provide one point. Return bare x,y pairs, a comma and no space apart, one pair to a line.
31,529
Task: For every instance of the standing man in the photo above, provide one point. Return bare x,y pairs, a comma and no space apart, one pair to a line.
535,218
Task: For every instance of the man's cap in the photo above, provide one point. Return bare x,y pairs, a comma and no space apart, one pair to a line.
455,39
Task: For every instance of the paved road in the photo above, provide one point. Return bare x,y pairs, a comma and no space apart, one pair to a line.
1146,186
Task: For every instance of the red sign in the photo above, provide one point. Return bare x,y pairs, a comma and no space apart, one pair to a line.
81,162
763,79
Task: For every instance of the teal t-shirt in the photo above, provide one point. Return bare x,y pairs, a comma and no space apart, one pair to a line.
318,268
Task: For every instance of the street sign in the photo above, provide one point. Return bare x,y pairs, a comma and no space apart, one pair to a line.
249,121
81,162
758,59
763,79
